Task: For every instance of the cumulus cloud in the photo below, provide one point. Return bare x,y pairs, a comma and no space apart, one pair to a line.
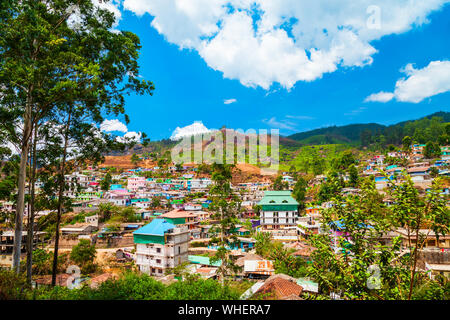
113,125
229,101
118,126
418,84
130,136
380,97
196,128
262,42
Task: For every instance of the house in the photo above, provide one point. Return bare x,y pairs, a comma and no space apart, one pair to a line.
160,245
192,207
429,237
78,229
278,210
445,150
204,261
279,287
61,280
181,217
7,244
119,197
135,183
258,268
198,184
313,211
96,281
288,179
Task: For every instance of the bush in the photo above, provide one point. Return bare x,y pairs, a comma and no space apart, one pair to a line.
12,286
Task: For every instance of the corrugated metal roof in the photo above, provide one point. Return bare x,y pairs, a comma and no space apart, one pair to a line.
157,227
277,198
204,261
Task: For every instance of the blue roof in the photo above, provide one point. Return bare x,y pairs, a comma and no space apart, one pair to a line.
339,224
157,228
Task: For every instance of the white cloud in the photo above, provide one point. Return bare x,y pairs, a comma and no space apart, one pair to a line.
419,84
113,6
423,83
130,137
262,42
113,125
229,101
196,128
355,111
116,125
282,124
380,97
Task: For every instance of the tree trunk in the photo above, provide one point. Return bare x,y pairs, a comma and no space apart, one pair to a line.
20,206
60,200
30,231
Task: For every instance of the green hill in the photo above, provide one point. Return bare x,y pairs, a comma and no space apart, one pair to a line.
366,134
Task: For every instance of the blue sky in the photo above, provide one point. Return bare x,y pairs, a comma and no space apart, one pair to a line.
188,89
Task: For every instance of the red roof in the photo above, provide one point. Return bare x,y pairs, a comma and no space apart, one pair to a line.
278,287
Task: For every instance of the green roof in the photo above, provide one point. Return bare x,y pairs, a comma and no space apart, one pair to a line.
204,260
278,198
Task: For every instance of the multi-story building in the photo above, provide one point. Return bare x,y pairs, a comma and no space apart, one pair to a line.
160,245
278,210
7,244
198,184
136,183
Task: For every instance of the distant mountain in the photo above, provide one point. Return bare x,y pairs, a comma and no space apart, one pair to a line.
352,133
349,133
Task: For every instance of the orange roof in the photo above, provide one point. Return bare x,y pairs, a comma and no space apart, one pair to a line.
278,287
418,169
101,278
177,213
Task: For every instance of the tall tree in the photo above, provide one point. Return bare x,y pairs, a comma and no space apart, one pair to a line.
226,207
299,192
48,63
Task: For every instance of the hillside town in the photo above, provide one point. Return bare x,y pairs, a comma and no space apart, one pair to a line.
159,226
234,151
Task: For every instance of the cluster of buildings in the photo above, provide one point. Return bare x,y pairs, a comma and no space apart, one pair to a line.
174,221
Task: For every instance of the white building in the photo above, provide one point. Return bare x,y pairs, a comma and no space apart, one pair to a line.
160,245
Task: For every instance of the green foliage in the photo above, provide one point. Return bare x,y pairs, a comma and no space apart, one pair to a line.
331,187
432,150
130,286
283,260
42,261
299,192
342,264
353,176
279,184
106,182
226,207
12,285
83,254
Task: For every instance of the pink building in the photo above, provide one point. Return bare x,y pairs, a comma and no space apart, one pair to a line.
136,183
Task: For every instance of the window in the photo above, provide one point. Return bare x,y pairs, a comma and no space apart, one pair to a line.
158,250
158,261
285,201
